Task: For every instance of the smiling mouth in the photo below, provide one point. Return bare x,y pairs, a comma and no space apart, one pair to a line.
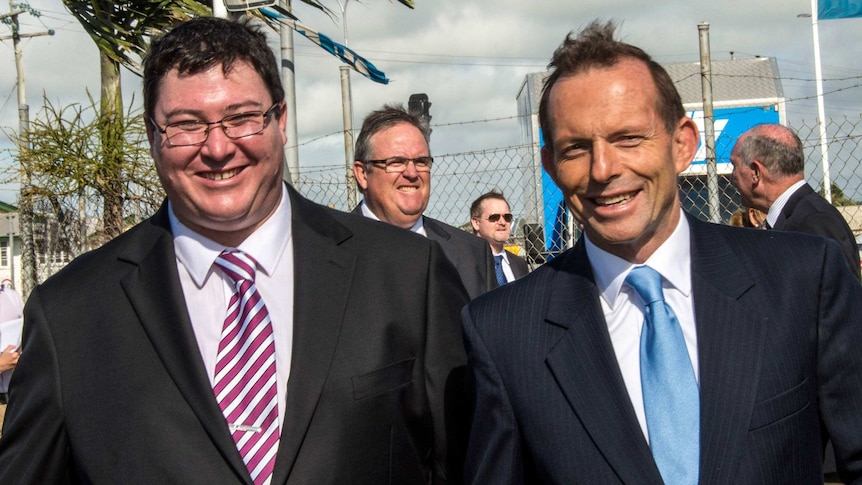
615,200
408,189
222,175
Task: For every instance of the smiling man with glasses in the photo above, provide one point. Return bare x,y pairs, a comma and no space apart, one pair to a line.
393,171
238,335
492,221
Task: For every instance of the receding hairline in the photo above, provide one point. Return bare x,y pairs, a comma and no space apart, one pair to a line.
643,67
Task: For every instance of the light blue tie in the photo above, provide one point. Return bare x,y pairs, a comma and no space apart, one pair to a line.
498,267
670,392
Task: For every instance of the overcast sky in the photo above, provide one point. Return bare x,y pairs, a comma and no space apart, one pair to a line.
470,57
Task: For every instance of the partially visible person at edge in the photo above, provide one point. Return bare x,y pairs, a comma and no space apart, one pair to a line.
393,170
11,308
748,217
768,170
139,364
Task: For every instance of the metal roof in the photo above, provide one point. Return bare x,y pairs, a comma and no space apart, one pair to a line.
737,81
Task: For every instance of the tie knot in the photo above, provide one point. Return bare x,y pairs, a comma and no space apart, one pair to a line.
498,259
237,265
647,283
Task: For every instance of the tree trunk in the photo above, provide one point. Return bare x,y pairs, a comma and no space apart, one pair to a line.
111,132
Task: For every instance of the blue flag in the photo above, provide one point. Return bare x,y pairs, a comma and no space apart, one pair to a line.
838,9
348,56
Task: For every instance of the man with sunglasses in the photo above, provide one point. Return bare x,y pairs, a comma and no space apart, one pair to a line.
492,221
393,171
243,334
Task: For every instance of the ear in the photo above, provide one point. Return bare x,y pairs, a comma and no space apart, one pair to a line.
758,171
475,224
360,174
282,122
151,133
549,164
685,141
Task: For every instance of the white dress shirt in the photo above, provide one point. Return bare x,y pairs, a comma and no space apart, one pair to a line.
778,206
207,290
507,268
624,310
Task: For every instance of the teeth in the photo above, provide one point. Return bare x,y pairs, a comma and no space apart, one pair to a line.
613,200
221,175
408,189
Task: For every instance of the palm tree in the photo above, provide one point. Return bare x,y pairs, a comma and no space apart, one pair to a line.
121,31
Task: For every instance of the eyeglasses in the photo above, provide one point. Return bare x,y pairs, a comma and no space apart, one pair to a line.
496,217
192,132
399,164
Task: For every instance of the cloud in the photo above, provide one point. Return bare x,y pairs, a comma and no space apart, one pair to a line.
471,58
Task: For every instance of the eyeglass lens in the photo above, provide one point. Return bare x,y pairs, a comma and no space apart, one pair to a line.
496,217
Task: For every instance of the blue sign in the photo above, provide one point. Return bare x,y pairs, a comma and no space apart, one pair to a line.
728,125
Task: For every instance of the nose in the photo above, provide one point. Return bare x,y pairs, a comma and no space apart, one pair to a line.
410,170
217,146
604,164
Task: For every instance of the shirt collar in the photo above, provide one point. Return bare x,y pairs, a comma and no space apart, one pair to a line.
672,260
777,206
266,244
418,227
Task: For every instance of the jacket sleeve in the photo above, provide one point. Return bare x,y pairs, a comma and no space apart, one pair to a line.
839,366
34,448
494,448
444,366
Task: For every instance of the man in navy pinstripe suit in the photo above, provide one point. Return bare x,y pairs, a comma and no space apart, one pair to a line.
770,321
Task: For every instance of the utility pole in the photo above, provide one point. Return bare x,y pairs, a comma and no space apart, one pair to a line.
288,80
347,116
29,275
708,123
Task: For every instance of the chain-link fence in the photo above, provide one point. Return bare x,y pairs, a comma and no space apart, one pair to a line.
543,227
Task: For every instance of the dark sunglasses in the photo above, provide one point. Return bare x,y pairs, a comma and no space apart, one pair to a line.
496,217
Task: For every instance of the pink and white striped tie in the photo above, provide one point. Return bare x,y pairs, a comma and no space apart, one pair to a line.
245,381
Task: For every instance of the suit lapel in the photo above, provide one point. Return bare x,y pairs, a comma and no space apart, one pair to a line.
586,369
322,276
154,291
730,334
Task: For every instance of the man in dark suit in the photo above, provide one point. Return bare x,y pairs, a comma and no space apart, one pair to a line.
768,170
393,171
660,348
124,348
492,221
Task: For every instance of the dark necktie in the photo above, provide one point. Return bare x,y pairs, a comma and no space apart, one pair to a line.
498,267
245,379
670,391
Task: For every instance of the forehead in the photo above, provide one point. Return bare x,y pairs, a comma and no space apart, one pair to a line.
600,95
398,140
211,85
492,206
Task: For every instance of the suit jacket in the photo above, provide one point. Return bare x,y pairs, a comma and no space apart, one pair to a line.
113,388
518,265
470,255
778,352
806,211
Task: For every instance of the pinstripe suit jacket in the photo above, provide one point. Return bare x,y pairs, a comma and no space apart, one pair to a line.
779,324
